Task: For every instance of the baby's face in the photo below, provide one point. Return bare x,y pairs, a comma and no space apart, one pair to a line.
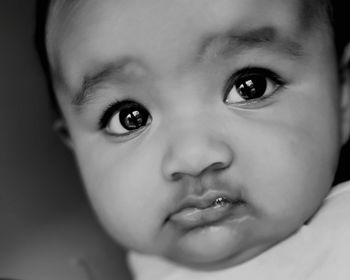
205,131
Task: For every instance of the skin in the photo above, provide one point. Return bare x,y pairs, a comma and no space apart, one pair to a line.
278,153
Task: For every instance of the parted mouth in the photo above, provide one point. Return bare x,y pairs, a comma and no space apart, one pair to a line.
209,199
210,208
222,201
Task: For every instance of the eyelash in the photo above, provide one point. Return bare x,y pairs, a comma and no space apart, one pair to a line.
108,113
248,72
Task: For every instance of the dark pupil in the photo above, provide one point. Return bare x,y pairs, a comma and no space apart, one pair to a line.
251,87
133,118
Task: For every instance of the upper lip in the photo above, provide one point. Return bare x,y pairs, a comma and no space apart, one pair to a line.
205,200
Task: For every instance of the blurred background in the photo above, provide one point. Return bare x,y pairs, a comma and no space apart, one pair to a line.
47,230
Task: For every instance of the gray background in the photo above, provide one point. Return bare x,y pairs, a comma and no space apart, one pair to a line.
44,216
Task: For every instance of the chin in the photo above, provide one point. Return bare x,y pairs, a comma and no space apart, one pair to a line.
221,258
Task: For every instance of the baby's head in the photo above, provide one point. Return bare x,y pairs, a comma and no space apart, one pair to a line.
205,131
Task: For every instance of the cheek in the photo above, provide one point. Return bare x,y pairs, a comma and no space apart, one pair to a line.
124,187
295,158
289,177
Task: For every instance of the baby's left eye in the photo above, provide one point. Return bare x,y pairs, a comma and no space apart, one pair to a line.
251,85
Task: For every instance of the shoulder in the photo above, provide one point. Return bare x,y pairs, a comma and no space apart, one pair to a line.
337,203
334,215
329,234
340,191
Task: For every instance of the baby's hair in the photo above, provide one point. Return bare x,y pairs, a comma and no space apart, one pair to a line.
333,12
338,13
42,11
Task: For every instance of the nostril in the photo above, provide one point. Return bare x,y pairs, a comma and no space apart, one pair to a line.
218,166
196,157
176,176
200,172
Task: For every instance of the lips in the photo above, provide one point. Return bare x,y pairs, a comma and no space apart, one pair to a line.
212,208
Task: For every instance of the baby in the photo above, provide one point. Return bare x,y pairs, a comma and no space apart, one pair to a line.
207,133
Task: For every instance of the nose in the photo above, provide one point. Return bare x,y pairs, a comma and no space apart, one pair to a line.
194,154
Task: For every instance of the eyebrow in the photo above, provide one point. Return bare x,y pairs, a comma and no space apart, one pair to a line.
114,70
223,44
232,43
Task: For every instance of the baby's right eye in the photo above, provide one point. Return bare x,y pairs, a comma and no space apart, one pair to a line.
124,118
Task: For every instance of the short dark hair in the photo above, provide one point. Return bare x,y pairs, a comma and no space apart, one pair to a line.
334,11
338,14
42,13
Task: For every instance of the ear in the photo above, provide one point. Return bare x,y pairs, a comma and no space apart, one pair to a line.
345,95
61,128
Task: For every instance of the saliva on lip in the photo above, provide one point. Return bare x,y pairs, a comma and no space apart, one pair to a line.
220,201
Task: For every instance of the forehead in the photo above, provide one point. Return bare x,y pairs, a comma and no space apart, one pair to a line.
84,31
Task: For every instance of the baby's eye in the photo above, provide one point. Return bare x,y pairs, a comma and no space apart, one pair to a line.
124,118
251,85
